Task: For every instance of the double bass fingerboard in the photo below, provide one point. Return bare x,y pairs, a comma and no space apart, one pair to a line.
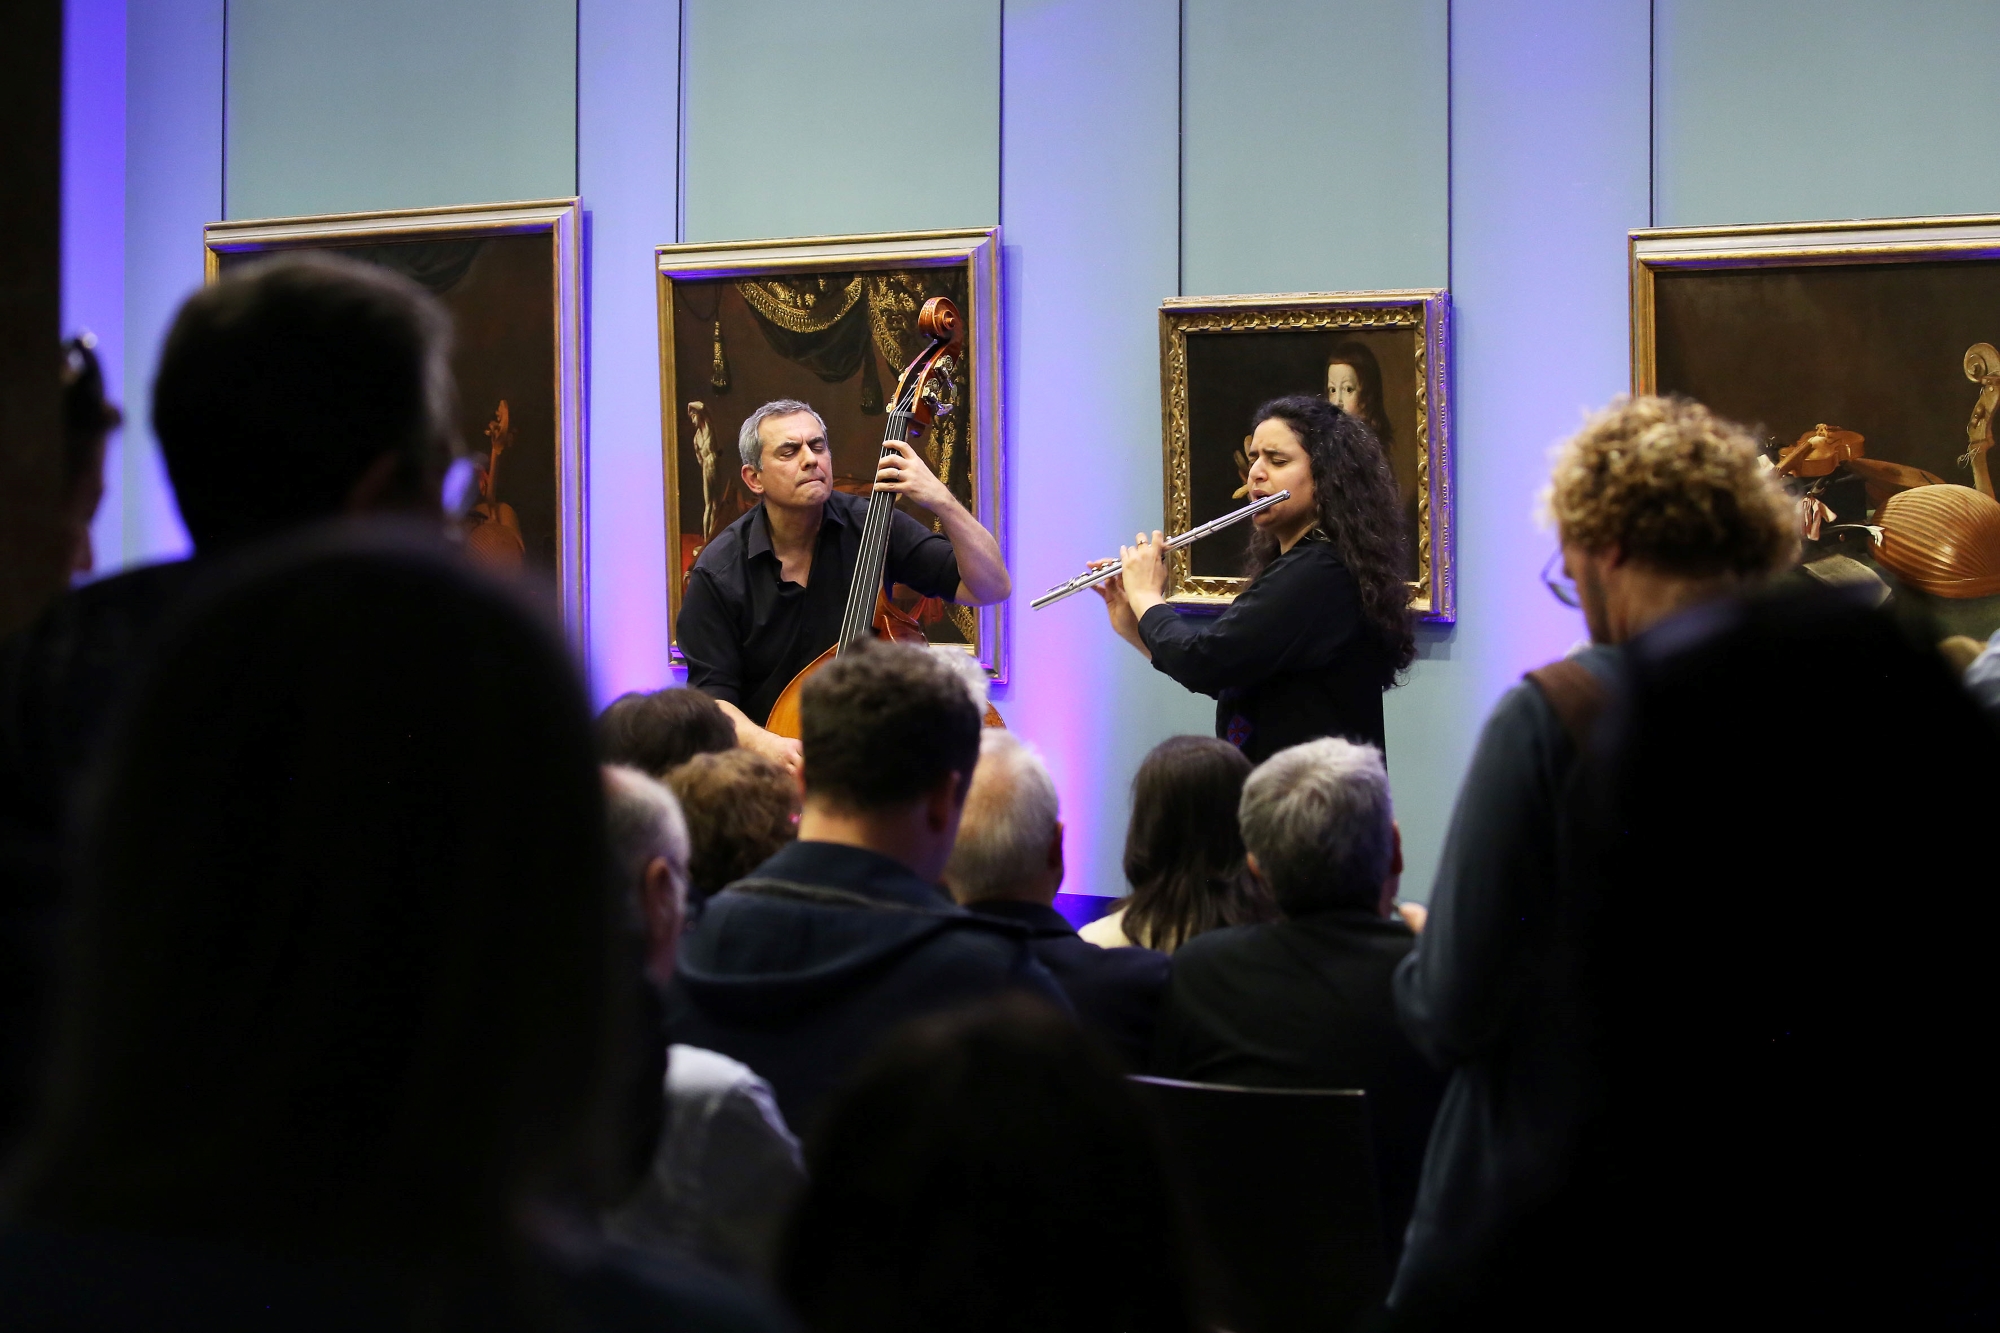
872,560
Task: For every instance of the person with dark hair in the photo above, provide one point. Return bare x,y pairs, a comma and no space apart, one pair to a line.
1184,856
88,420
658,732
1790,1125
1660,508
1323,627
766,594
1307,1002
1008,863
1354,385
951,1165
289,391
347,1021
724,1168
799,969
741,808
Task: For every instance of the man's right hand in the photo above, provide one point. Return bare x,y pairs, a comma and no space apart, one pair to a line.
780,750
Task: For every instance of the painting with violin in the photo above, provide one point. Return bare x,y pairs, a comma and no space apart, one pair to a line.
833,322
1866,357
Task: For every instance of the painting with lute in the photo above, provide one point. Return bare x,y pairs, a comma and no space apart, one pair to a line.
923,393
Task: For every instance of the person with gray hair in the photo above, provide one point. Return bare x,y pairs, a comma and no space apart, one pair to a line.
1309,1001
766,594
1008,863
725,1169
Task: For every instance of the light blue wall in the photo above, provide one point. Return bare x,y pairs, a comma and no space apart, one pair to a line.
1501,146
809,118
1785,110
1315,146
628,128
366,104
1089,176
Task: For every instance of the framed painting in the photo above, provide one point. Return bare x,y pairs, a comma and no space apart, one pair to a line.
830,321
508,273
1863,355
1384,355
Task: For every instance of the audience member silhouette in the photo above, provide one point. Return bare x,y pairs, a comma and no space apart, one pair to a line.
343,1035
725,1169
1307,1002
1008,863
1183,851
289,391
1788,1122
658,732
741,808
949,1174
800,969
1660,507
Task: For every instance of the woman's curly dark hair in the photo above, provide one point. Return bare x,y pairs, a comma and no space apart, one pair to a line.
1359,509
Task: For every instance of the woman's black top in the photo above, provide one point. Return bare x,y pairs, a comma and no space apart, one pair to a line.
1291,660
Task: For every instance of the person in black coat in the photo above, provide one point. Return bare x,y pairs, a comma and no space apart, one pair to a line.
1308,647
800,969
1309,1002
1008,863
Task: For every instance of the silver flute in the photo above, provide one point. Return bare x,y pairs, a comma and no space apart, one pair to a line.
1092,577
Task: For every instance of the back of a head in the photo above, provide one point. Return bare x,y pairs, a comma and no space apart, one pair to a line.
646,822
660,731
741,808
885,722
1319,820
955,1166
1009,822
283,383
1759,1013
1675,487
1184,855
346,975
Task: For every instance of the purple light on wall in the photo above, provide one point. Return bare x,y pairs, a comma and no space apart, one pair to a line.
93,217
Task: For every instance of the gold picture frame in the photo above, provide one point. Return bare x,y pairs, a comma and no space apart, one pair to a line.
511,275
726,308
1248,349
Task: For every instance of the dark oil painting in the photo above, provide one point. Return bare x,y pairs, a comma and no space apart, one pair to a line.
836,340
1372,372
500,291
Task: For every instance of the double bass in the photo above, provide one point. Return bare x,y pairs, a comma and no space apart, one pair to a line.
923,393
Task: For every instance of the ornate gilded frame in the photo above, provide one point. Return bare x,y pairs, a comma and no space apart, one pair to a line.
558,219
1426,310
1791,244
977,251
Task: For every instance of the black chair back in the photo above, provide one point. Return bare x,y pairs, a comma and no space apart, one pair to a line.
1282,1187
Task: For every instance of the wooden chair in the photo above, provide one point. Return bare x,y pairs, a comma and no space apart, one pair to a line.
1281,1183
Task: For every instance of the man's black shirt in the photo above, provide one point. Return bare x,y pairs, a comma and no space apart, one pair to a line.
1116,991
746,632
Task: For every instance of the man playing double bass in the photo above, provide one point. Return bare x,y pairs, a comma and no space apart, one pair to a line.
765,597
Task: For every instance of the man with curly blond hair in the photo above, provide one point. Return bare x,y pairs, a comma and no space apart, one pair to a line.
1659,506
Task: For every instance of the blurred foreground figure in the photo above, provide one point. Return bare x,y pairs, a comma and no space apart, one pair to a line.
1789,1121
948,1177
1008,863
725,1169
288,392
1661,507
342,1039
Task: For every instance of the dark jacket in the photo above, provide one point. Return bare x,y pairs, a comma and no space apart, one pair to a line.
800,970
1294,657
1308,1003
1482,996
1116,991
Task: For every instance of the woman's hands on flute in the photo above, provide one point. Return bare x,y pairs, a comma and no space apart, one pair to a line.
1140,585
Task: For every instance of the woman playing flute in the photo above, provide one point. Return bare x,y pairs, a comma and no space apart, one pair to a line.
1323,628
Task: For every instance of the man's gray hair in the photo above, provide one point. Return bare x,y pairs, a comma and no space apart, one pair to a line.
750,440
1319,821
1009,821
645,822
